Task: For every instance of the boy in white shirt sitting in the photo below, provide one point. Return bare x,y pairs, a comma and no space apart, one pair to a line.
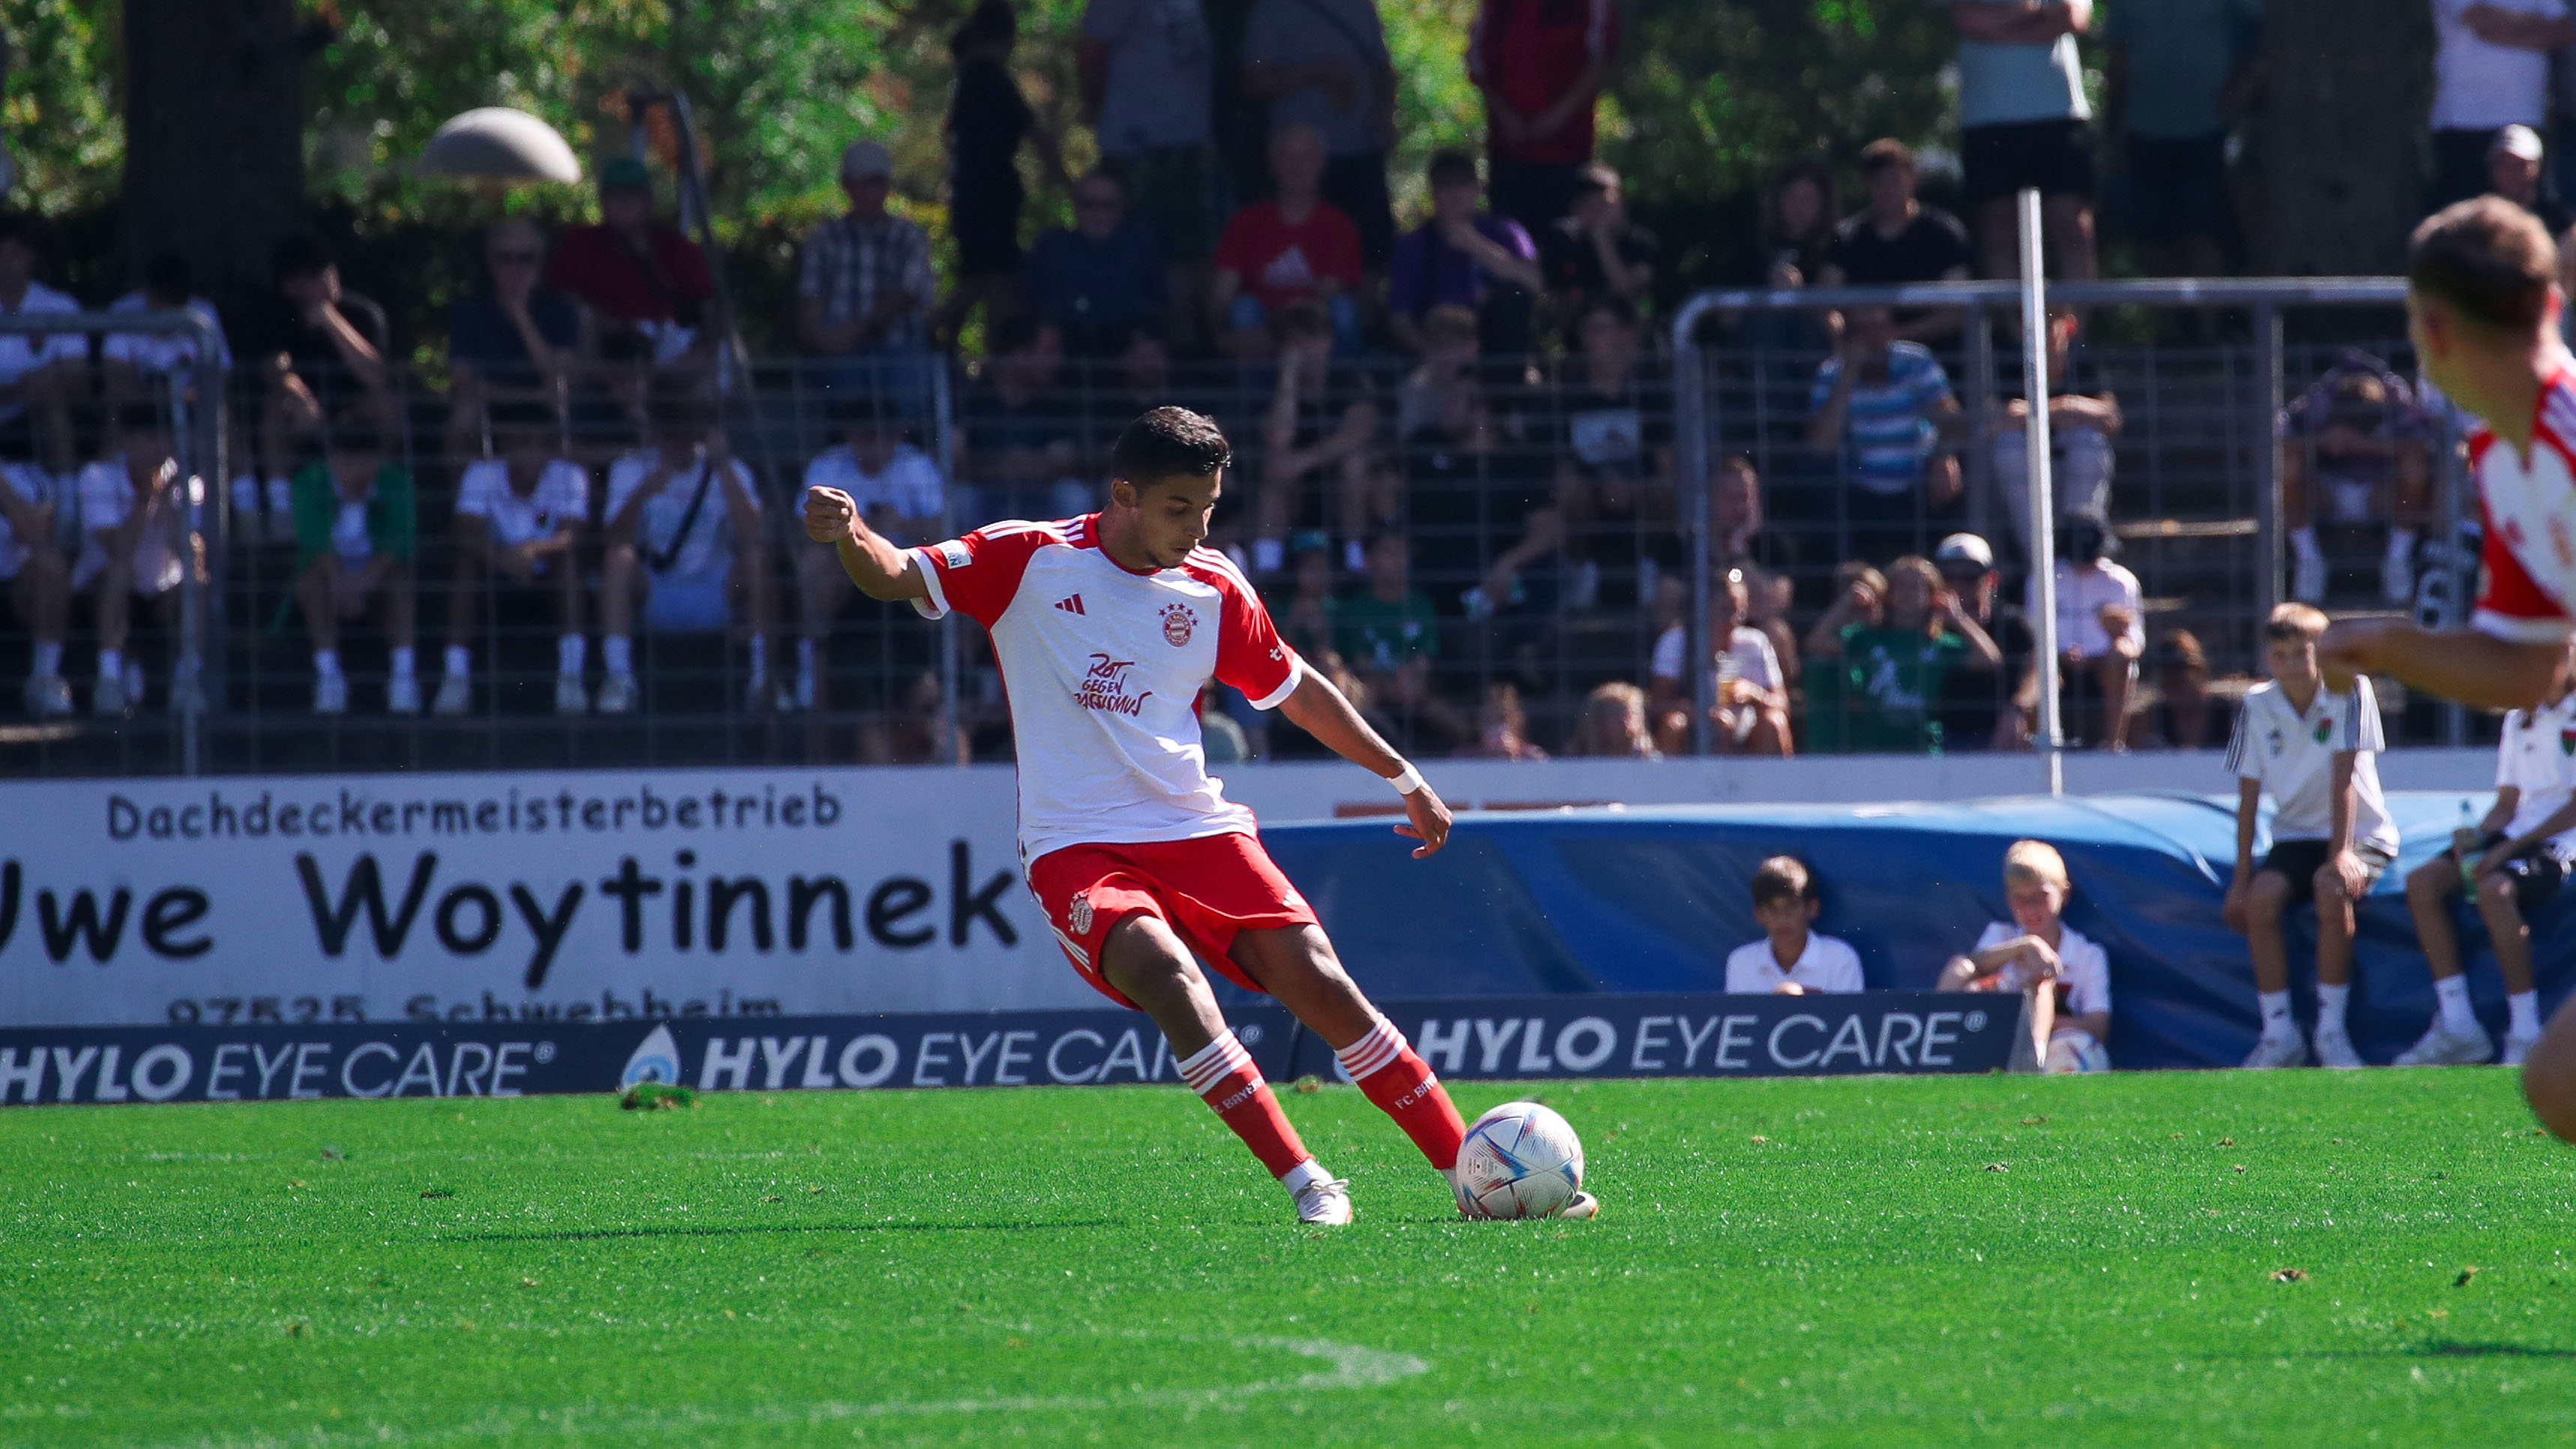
685,534
1792,958
356,535
900,494
517,517
36,512
2066,977
135,546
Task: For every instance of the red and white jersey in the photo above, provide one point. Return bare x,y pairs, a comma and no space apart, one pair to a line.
2530,510
1104,667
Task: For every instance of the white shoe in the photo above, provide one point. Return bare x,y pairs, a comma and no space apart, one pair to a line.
616,694
48,694
134,684
402,694
2279,1051
1584,1208
2517,1049
1327,1202
2397,579
570,697
758,696
2441,1047
455,696
2334,1049
331,694
2308,578
107,699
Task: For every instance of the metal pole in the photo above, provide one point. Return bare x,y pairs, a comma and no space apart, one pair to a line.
2268,507
940,431
2043,507
1981,393
1691,421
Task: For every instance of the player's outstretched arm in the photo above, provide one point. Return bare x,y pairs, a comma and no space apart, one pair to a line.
881,570
1321,710
2463,664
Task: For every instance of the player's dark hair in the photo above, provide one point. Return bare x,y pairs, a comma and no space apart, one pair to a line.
1783,878
2488,259
1169,442
1450,168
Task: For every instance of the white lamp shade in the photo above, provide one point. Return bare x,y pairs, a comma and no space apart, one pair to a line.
496,143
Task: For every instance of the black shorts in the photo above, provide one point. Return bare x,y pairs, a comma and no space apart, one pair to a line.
2537,876
2298,861
2055,156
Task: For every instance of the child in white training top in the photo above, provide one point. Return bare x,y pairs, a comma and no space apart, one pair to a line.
2066,976
1793,959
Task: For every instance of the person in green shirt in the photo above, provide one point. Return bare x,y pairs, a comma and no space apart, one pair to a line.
1888,656
357,537
1389,634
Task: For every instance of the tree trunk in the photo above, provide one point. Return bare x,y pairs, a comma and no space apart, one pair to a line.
214,137
2340,130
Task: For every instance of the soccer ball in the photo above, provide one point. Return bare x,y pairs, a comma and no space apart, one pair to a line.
1520,1160
2075,1051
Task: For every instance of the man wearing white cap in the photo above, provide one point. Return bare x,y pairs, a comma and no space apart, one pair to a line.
864,290
2513,172
2490,71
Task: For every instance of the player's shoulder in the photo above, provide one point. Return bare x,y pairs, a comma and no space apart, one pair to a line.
2558,411
1212,566
1831,948
1748,954
2074,945
1996,933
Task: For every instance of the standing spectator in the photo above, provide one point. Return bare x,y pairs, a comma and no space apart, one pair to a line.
2490,70
2024,123
1388,632
1147,70
1099,285
313,350
647,286
520,341
685,533
988,119
517,517
2083,418
1613,725
864,291
1614,465
133,504
39,372
1879,405
133,360
1899,239
1322,424
1023,436
1288,249
1892,675
2101,633
1463,257
1541,64
1323,64
2355,448
2175,76
357,536
2513,172
1793,958
35,566
898,491
1752,707
1594,252
1985,707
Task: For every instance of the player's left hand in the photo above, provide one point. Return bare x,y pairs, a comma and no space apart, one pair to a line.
2354,875
1428,821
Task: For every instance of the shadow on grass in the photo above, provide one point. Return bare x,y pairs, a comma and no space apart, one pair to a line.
2447,1348
578,1235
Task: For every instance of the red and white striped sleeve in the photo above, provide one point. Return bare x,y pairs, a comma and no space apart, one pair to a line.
1250,655
979,574
2511,604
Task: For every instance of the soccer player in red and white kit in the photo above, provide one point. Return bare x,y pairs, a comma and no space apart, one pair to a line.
1108,627
2483,305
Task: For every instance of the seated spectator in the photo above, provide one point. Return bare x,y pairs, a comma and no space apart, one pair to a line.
1793,958
2513,172
314,350
518,516
898,491
1389,634
1613,725
1614,468
1464,257
35,511
1738,523
1467,490
2355,449
646,284
1321,423
133,513
2066,977
1322,66
916,732
2101,634
1595,252
1751,712
1890,676
2185,716
2083,418
1023,434
1305,614
1899,239
1791,251
864,291
1503,728
357,538
1541,69
41,374
1100,284
1879,405
133,361
1772,595
1982,707
1295,247
988,118
686,535
520,341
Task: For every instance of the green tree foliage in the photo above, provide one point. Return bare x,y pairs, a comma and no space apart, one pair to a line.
61,115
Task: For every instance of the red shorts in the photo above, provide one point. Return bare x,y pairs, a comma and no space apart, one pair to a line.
1207,890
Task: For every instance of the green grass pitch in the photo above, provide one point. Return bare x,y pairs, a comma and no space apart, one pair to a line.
1871,1262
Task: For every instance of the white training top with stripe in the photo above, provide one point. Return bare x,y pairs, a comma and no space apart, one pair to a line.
2291,751
2537,756
2084,968
2529,504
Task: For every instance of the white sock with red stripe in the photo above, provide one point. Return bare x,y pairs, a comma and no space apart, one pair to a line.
1391,1074
1223,1074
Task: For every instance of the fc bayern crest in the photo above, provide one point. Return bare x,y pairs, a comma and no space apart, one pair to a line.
1078,915
1178,624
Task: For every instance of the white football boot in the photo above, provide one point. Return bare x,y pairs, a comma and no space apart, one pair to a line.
331,694
617,693
2278,1051
570,696
48,695
2442,1047
455,696
402,694
1326,1201
2334,1049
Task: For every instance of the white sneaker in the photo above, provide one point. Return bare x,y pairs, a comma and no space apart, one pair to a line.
616,694
2308,578
402,694
455,696
2397,579
804,691
107,700
1584,1208
331,694
1327,1202
2279,1051
758,696
2334,1049
134,684
48,694
2517,1049
2441,1047
570,697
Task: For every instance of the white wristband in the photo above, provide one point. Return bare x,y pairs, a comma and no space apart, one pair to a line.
1409,781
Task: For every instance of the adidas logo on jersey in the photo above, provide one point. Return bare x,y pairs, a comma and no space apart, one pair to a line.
1071,604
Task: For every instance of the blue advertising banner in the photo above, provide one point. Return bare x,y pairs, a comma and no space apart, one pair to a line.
1606,1036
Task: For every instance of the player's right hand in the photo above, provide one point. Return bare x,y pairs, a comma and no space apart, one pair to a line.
830,515
1427,820
2231,912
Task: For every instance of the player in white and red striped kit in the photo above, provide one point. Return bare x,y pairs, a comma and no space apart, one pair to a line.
1107,628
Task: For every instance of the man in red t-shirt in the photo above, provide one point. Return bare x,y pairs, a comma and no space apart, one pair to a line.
647,284
1540,63
1288,249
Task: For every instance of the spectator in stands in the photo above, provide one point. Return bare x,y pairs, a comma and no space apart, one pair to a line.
2513,172
2490,71
2083,418
133,361
647,285
518,515
1791,250
898,491
521,341
916,732
1323,65
2355,448
1023,438
988,120
1613,725
2065,977
1880,404
2175,79
685,535
1771,595
1463,257
1293,247
1594,251
1503,728
36,511
864,291
1793,958
2024,123
2512,863
2185,715
1388,632
2101,634
1317,435
1466,488
314,350
1898,239
357,538
1147,76
1751,712
1738,525
133,512
1985,707
1099,284
40,373
1541,67
1306,615
1614,466
1887,678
